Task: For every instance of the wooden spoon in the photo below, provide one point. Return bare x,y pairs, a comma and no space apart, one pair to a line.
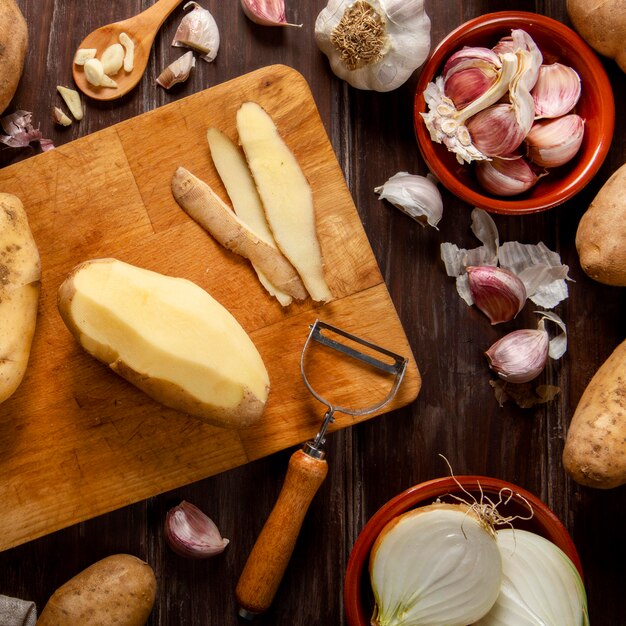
142,29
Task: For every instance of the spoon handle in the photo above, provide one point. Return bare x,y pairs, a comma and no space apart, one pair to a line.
154,16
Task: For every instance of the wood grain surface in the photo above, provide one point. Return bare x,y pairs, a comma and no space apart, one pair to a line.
76,439
455,413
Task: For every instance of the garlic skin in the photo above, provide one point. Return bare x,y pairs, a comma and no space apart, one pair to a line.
498,293
554,142
190,533
506,177
520,356
198,30
178,71
374,44
266,12
415,195
556,91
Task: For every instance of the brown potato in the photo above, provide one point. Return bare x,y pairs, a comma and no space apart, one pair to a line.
20,275
116,591
602,24
13,44
601,234
595,448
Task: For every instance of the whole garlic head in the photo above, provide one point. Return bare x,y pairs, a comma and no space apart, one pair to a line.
374,44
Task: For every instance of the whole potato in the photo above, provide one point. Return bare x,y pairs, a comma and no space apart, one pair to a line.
20,275
595,448
13,44
602,24
116,591
601,234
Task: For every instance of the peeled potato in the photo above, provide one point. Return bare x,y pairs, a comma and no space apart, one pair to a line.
20,275
13,44
116,591
169,338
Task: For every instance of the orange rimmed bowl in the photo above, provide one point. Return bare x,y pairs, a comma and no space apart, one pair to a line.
596,106
358,596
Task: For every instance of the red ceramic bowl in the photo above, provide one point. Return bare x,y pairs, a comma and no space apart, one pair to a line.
596,107
358,596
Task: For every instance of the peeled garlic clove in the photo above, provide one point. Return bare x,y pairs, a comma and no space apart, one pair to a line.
129,52
498,293
94,71
495,131
198,30
556,91
266,12
554,142
520,356
178,71
84,54
189,532
112,59
415,195
506,177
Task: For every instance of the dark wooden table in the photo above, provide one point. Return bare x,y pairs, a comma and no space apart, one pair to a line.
455,415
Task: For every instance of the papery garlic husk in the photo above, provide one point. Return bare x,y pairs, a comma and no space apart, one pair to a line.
266,12
498,293
556,91
415,195
519,356
178,71
540,584
374,44
554,142
469,73
435,565
198,30
506,176
190,533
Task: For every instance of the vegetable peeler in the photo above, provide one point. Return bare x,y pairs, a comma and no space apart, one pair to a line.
307,470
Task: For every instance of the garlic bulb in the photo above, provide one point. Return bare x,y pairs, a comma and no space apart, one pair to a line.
508,122
189,532
415,195
506,177
374,44
554,142
199,31
556,91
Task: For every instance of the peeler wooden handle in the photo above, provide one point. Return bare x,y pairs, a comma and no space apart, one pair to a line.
270,555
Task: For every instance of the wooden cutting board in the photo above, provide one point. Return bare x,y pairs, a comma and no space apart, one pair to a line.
76,440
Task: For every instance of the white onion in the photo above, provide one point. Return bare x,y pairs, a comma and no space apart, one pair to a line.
438,565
